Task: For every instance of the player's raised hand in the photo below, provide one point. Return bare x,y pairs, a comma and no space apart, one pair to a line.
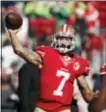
13,32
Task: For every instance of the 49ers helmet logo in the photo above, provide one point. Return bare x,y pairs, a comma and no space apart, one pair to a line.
66,29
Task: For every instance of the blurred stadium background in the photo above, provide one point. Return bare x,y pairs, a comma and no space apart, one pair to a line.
40,21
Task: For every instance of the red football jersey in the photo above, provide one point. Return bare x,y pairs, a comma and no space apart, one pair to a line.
57,77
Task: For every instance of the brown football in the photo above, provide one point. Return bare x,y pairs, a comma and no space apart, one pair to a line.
13,20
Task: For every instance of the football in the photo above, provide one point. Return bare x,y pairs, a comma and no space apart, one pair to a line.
13,20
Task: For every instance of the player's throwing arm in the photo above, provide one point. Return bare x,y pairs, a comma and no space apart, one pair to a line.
25,53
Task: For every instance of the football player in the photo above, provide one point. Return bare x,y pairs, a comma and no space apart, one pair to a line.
99,103
59,67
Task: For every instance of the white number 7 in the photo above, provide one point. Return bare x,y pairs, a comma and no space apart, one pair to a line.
66,76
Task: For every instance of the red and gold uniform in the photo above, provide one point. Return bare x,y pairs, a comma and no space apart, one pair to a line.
57,77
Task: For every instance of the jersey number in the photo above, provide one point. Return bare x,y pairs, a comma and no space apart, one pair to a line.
65,75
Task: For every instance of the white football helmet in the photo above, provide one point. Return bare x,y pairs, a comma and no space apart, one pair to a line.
64,39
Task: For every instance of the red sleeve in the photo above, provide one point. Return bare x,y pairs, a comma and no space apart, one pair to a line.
85,68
